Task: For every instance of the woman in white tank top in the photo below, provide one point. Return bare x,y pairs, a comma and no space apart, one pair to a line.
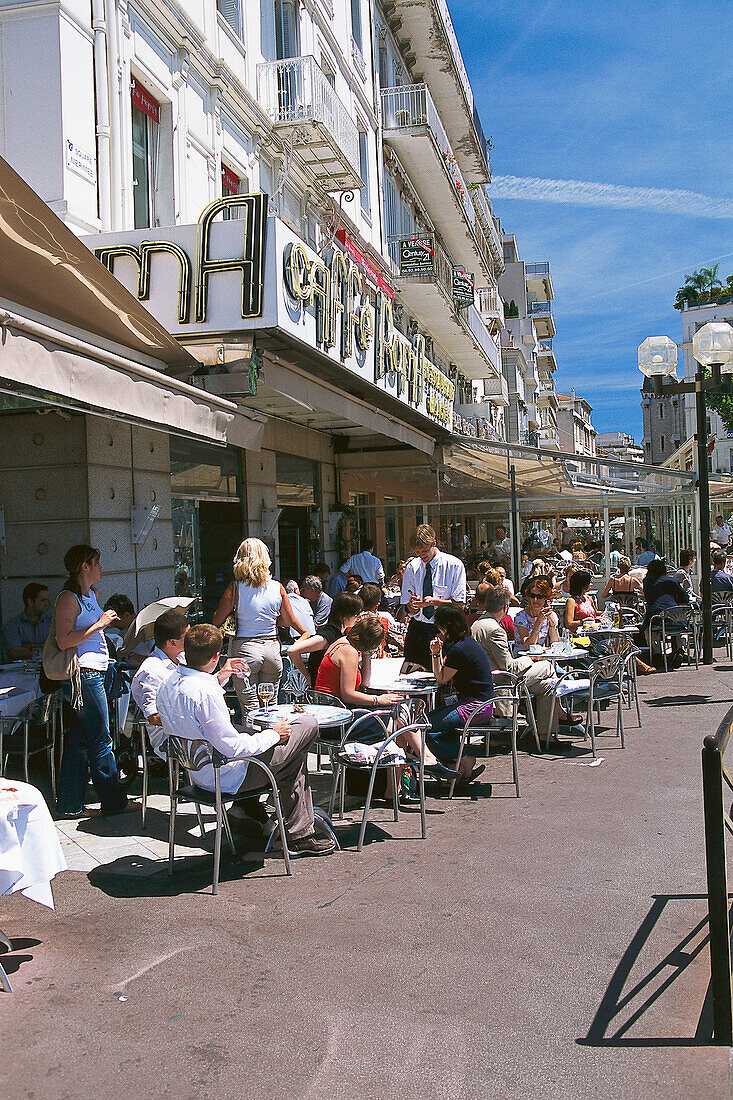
261,604
79,624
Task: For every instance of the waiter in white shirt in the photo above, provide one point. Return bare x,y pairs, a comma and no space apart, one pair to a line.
192,706
431,580
365,565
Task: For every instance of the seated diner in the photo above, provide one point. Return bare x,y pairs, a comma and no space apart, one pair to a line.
536,624
580,607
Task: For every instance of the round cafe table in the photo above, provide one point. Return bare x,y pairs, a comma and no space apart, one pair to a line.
327,717
30,853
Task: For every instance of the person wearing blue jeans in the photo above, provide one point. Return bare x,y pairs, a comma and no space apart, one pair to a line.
88,748
79,624
466,668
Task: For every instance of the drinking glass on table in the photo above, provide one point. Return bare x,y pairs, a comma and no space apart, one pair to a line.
266,692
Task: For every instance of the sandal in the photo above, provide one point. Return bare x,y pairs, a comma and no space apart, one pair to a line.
466,780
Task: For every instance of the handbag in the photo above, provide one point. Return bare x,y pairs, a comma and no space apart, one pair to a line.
229,626
59,666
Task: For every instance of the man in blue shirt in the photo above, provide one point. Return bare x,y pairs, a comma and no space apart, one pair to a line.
29,629
643,554
720,581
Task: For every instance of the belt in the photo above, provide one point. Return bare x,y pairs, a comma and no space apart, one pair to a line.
258,638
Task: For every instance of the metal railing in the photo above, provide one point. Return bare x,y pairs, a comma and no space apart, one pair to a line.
714,776
539,309
482,335
295,90
540,269
488,224
442,267
544,347
412,105
489,301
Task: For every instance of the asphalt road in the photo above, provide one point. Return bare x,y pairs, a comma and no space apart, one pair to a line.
552,946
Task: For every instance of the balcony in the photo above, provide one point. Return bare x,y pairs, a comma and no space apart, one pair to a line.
482,205
480,420
299,101
546,395
429,297
547,438
539,281
412,127
430,36
491,308
496,390
546,356
541,314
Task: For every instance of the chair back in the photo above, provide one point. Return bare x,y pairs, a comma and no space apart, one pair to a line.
41,710
191,755
352,732
608,668
293,685
324,698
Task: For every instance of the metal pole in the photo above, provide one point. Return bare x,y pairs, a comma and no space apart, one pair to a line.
516,531
703,491
712,788
607,540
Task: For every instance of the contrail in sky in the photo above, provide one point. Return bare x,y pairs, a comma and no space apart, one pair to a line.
582,193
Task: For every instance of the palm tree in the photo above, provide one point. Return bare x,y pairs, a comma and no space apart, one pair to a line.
710,274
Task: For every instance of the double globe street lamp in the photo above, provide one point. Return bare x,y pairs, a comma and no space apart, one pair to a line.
712,347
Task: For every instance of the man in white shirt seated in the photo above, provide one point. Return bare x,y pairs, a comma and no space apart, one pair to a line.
430,580
191,705
365,565
169,632
721,532
302,608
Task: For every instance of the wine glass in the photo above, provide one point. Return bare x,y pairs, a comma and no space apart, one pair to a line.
266,692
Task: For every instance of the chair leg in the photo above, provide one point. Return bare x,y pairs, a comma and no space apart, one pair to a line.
281,828
5,981
217,845
421,787
395,793
172,818
228,830
144,751
199,815
457,764
336,772
591,726
52,760
367,806
515,758
532,721
26,734
321,819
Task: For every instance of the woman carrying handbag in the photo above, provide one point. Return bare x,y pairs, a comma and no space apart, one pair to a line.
78,625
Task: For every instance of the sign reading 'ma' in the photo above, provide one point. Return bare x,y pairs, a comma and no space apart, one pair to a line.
250,263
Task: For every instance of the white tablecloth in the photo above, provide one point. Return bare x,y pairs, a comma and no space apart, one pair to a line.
22,679
30,853
14,703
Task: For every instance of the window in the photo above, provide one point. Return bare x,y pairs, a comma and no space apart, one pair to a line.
232,184
661,443
661,411
328,72
356,24
366,202
287,38
383,66
230,12
145,150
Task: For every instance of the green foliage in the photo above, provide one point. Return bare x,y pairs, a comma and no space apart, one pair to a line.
722,403
512,310
703,287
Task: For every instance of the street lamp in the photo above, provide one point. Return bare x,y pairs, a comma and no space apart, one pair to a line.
712,347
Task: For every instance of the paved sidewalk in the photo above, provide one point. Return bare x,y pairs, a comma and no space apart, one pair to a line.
542,947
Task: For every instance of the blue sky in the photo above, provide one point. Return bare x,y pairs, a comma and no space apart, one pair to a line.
635,97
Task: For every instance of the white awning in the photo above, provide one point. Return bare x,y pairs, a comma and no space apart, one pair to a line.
46,364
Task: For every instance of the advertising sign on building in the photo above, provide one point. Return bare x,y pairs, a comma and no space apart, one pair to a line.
417,257
464,292
222,277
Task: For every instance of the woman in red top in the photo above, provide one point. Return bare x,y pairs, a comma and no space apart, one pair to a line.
580,608
341,675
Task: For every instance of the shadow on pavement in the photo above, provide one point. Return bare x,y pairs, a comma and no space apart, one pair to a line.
625,1004
684,701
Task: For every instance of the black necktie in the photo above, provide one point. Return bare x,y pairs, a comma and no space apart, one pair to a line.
427,589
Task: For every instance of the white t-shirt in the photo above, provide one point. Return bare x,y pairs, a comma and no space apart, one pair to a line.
721,534
146,683
449,580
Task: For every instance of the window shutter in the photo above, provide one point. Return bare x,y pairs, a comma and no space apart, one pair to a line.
230,11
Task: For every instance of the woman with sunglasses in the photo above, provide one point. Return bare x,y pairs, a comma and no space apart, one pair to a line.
536,624
79,623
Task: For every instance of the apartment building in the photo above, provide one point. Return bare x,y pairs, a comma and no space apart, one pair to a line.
528,357
575,430
297,190
619,445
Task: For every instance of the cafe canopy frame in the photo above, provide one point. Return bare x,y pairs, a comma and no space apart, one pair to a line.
475,485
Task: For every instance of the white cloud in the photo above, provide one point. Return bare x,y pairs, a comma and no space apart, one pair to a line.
583,193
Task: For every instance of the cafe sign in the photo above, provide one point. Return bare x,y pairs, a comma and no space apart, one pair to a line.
220,278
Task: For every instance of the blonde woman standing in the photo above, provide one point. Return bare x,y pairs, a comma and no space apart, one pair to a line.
261,604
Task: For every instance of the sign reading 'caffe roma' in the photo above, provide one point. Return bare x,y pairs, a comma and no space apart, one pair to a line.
220,278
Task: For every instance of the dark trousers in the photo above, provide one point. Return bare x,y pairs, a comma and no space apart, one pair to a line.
417,643
88,749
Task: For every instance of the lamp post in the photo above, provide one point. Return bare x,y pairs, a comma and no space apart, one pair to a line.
712,347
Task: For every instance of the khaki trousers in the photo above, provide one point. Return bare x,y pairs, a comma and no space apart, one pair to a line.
265,667
289,765
540,680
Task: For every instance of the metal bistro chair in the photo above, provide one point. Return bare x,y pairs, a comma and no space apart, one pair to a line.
723,620
293,686
613,643
147,753
192,755
597,686
341,763
684,623
45,713
512,689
